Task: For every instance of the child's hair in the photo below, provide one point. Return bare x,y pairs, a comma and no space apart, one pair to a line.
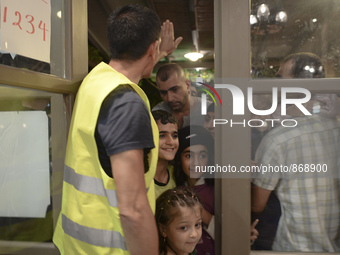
164,116
211,108
189,136
167,205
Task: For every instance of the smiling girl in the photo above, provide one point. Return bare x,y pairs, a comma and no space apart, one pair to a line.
179,221
196,151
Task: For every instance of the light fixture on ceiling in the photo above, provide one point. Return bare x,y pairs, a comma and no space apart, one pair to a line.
281,17
253,19
194,55
264,22
263,12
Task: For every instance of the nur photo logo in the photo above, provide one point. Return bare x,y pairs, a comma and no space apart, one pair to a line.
200,84
239,104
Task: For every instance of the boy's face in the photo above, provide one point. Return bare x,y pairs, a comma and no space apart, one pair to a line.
168,140
195,155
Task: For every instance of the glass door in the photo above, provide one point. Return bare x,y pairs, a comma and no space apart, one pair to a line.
252,40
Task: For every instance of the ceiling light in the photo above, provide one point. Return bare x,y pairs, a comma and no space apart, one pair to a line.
194,56
253,19
281,17
263,12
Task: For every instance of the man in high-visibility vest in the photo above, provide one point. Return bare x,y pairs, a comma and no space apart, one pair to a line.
108,190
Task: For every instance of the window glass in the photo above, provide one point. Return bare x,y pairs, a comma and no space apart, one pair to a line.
281,28
295,147
26,204
33,36
295,174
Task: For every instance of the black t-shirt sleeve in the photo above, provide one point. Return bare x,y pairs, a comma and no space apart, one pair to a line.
123,124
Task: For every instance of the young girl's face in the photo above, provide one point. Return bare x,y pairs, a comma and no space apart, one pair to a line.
184,232
192,156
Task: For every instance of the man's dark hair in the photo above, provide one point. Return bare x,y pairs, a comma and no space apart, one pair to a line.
306,65
131,30
165,71
164,116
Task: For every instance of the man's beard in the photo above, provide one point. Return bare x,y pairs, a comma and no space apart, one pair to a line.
179,105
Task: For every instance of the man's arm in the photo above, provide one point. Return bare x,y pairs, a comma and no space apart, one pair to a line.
137,219
259,198
168,42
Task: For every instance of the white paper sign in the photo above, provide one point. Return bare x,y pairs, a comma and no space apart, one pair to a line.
26,28
24,164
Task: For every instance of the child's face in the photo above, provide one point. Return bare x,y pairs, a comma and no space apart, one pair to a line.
192,156
209,123
184,232
168,140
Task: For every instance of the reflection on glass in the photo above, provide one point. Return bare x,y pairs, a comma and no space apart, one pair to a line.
297,187
281,28
24,63
16,223
309,194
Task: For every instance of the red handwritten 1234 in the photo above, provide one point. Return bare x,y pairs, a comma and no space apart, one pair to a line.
28,22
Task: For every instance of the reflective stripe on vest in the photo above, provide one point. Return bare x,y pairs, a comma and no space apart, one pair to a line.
91,185
98,237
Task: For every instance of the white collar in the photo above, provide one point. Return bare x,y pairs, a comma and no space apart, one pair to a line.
200,181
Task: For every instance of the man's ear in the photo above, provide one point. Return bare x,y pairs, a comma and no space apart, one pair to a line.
153,49
162,230
188,83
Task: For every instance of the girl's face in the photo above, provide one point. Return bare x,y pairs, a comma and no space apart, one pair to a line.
168,140
184,232
192,156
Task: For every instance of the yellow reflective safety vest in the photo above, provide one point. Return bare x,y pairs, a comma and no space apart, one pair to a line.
89,221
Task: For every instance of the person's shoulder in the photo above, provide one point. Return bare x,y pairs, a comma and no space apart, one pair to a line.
198,105
125,91
294,128
100,67
104,70
161,106
203,186
199,100
124,96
